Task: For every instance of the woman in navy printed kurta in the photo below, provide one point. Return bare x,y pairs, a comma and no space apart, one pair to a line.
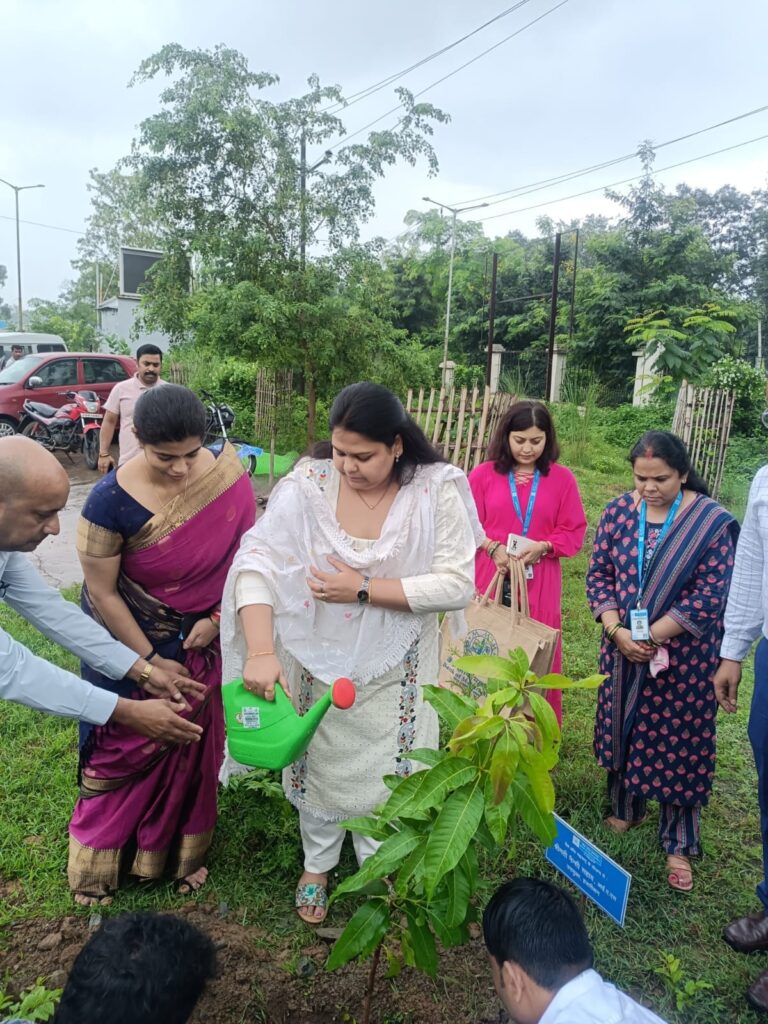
656,735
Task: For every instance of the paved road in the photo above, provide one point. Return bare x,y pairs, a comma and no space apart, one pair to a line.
56,558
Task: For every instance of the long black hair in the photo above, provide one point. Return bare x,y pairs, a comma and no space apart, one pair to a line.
523,416
373,411
169,413
662,444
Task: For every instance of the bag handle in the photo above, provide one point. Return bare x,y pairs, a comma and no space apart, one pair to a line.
519,605
498,593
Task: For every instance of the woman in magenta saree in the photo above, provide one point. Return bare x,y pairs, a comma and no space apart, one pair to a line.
156,540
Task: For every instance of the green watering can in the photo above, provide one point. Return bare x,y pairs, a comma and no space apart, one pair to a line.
270,734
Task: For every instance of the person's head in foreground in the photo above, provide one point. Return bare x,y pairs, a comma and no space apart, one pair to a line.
138,969
537,943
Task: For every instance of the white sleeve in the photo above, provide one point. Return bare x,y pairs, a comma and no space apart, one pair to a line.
744,612
252,588
63,622
27,679
450,583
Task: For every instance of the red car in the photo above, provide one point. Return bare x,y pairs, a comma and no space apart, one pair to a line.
44,376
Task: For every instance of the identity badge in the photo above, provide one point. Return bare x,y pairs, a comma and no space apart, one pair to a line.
639,624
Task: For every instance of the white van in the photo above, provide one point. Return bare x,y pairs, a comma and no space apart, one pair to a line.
30,342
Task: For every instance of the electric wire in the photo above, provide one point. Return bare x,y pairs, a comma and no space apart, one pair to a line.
450,74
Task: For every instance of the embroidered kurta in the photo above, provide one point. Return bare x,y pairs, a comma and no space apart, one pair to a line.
558,516
340,776
660,733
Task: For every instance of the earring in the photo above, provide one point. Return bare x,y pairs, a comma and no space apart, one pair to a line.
397,458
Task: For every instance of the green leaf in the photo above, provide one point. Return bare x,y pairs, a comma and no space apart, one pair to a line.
475,728
558,682
438,914
394,965
450,774
458,894
487,666
386,859
504,761
520,664
368,826
452,833
509,697
403,794
542,790
411,867
366,928
422,943
545,718
541,823
392,781
497,814
427,756
449,705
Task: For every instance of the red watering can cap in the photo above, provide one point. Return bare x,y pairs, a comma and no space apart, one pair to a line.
343,693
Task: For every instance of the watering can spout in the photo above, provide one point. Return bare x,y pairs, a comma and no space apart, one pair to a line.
270,734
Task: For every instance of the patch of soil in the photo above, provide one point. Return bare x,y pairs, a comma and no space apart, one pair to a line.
262,982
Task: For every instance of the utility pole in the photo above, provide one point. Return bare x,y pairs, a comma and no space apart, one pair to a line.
454,211
491,319
17,189
573,286
303,172
553,315
759,358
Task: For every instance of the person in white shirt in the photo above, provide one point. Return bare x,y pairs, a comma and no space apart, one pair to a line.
746,619
541,959
33,489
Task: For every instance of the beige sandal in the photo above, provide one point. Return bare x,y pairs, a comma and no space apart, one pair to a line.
622,827
679,873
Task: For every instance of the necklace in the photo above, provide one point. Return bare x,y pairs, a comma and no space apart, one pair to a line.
175,521
377,503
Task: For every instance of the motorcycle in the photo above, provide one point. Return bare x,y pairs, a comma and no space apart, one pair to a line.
221,418
74,427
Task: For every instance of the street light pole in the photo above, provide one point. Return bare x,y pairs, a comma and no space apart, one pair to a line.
454,211
17,189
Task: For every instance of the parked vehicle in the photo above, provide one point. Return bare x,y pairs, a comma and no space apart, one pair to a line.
50,376
30,342
73,427
221,417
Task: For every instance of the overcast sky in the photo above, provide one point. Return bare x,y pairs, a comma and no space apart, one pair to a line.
584,84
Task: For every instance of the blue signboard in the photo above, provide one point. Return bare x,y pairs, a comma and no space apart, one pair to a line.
596,875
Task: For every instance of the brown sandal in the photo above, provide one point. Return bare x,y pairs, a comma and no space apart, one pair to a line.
679,873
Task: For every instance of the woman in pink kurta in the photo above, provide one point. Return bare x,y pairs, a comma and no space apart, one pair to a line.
523,459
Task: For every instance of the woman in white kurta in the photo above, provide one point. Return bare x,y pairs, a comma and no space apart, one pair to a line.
344,575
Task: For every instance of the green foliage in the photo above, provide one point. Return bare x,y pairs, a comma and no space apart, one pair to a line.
685,346
495,769
748,384
684,990
624,424
36,1004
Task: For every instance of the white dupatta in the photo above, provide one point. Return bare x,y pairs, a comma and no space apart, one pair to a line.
299,529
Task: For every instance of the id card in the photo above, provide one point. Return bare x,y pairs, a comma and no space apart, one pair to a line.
639,626
529,572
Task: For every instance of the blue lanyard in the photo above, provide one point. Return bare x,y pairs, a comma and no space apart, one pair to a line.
531,500
641,540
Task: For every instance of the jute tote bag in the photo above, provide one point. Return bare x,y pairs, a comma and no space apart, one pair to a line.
494,629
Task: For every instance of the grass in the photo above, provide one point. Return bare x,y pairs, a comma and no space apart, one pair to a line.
256,856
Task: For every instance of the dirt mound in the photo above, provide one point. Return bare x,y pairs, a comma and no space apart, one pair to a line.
263,982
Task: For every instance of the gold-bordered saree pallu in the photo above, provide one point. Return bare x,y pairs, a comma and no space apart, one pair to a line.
145,807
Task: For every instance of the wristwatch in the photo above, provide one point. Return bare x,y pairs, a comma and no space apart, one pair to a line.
362,594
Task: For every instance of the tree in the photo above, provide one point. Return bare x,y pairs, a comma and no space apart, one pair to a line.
221,171
5,309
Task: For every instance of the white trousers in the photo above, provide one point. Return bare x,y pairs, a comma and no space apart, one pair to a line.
322,841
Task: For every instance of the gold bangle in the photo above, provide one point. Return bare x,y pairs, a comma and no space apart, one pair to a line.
146,672
370,592
259,654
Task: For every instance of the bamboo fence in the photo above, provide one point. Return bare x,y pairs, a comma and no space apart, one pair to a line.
460,422
703,421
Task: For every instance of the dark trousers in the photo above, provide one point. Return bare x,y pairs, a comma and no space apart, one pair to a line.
758,737
678,826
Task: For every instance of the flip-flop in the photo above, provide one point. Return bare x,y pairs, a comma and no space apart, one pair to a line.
679,873
311,894
99,900
620,826
185,887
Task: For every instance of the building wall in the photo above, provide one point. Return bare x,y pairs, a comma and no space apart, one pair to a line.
117,317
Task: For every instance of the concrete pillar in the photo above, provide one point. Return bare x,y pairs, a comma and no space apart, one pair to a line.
496,353
645,372
559,356
449,367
